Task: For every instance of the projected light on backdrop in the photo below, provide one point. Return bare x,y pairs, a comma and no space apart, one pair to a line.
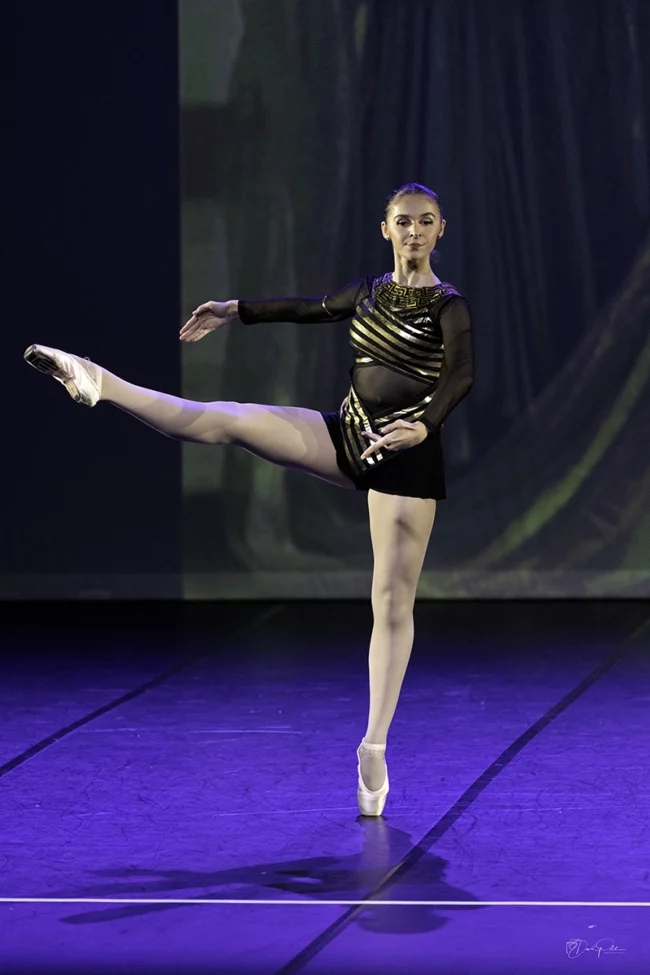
295,126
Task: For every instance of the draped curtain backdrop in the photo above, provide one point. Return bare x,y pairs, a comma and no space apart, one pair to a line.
531,122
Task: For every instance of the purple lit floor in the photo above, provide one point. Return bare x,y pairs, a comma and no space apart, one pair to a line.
207,753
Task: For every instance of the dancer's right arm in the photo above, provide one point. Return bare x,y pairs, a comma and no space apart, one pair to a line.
335,307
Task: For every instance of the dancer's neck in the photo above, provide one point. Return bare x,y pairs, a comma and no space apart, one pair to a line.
414,274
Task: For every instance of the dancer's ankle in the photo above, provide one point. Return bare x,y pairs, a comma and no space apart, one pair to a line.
375,742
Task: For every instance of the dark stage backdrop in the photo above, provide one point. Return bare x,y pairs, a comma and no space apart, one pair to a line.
298,117
90,499
531,122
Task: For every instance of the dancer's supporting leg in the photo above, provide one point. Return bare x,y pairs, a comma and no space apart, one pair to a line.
400,529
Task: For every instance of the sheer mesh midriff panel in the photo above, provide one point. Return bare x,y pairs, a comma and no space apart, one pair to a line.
382,389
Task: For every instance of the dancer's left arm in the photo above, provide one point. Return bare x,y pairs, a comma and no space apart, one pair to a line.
457,372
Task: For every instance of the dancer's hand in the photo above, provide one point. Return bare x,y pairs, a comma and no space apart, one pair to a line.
395,436
207,317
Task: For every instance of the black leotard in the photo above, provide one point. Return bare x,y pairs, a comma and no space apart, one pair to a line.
413,350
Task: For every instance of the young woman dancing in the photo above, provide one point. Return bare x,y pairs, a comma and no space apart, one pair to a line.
413,363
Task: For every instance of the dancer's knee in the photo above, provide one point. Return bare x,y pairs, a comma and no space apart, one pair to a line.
392,604
218,425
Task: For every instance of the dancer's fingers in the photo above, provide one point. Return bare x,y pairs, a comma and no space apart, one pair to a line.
370,450
199,333
397,425
195,323
191,321
376,445
187,327
187,336
204,309
190,336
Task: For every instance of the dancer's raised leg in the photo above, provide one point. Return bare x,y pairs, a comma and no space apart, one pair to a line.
289,436
400,529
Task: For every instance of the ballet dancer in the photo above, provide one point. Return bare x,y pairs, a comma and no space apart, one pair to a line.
413,363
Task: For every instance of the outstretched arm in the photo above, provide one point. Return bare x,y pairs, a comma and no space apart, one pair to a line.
457,373
331,308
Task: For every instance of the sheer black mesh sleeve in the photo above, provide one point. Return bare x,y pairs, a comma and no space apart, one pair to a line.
457,373
332,308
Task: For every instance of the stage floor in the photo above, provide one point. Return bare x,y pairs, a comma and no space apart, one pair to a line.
178,791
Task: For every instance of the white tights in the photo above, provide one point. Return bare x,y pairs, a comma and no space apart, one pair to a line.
298,438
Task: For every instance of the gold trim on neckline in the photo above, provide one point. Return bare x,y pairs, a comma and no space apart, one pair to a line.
386,280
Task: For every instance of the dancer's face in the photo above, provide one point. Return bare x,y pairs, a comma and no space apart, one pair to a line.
413,226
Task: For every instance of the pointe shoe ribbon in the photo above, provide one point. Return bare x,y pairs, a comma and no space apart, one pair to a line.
81,378
371,802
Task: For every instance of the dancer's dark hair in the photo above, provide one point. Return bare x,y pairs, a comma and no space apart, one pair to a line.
412,189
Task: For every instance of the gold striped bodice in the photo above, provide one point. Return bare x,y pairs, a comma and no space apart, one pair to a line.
393,326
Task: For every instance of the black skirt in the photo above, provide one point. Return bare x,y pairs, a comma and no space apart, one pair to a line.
416,472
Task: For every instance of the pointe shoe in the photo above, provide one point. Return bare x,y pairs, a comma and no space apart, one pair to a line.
82,378
371,803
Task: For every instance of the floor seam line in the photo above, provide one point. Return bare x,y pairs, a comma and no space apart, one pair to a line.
62,733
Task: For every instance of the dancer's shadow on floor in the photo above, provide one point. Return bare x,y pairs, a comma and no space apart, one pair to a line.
349,877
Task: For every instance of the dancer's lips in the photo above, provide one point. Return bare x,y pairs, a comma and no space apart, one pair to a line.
413,244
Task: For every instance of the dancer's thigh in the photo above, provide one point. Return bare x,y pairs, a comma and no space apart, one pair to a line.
289,436
399,529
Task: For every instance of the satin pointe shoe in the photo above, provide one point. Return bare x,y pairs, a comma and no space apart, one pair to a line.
371,803
81,377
